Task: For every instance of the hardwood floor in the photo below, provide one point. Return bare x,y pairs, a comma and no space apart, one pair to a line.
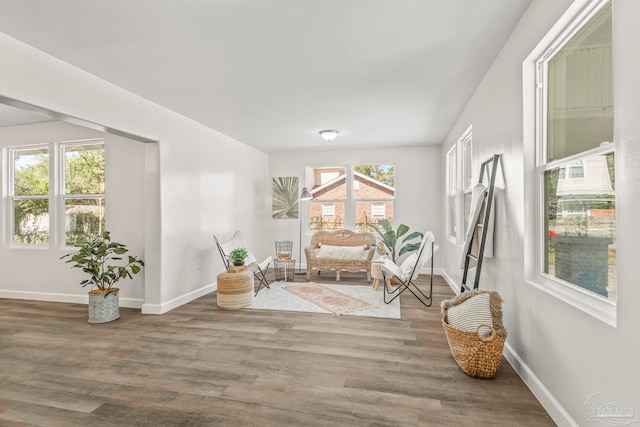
201,366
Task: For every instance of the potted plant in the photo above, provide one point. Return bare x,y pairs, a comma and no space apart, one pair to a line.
389,238
238,256
101,259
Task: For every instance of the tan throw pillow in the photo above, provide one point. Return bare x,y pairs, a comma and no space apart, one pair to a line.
471,313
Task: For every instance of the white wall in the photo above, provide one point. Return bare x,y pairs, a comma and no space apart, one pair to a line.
205,181
38,273
418,183
563,354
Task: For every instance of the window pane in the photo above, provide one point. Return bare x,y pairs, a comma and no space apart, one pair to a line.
328,183
374,182
453,226
370,212
580,91
31,225
84,169
31,171
580,225
452,191
83,218
317,221
467,166
467,209
452,164
328,210
378,210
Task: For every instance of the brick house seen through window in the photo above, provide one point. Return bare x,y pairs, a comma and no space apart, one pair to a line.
371,201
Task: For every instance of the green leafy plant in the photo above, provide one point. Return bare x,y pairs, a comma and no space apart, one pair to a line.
238,255
390,238
101,259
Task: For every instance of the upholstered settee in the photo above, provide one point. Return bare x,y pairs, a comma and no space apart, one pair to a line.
340,250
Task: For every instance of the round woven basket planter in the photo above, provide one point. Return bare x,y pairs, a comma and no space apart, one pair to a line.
235,290
103,307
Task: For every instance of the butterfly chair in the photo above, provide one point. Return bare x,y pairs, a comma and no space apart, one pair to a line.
258,268
409,270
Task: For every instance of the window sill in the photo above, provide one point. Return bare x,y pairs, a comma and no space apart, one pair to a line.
30,247
593,305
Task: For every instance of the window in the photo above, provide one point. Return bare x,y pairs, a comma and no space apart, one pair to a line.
467,174
328,210
82,190
359,196
452,194
327,188
459,164
576,158
572,170
377,210
376,187
56,187
29,198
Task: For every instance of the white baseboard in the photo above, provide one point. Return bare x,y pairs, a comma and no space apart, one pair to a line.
559,415
452,284
178,301
69,298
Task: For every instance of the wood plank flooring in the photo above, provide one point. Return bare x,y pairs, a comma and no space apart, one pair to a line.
201,366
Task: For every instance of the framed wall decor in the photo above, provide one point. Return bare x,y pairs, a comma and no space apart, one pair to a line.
285,197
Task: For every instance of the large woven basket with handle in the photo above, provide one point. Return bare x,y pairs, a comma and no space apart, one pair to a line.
478,356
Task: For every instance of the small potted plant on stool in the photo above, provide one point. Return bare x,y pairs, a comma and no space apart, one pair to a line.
238,256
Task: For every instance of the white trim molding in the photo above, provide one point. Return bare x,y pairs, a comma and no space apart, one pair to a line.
68,298
178,301
557,412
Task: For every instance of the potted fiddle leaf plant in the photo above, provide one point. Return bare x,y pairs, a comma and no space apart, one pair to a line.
105,262
390,238
238,256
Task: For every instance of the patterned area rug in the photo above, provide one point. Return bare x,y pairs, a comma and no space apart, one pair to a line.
348,300
334,301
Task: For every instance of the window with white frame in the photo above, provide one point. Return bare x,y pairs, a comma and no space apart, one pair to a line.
328,210
82,190
452,193
459,185
572,170
373,194
359,195
467,174
29,194
377,210
56,192
327,186
576,157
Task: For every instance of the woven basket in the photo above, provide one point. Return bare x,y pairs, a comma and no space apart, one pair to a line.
104,308
476,355
235,289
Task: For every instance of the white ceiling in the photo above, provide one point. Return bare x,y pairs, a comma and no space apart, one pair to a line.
272,73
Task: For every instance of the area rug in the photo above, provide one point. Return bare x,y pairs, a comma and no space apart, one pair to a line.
336,302
363,299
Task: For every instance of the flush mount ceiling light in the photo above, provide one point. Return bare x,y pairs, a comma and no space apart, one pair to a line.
329,135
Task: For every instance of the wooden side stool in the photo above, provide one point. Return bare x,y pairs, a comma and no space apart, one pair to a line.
376,274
